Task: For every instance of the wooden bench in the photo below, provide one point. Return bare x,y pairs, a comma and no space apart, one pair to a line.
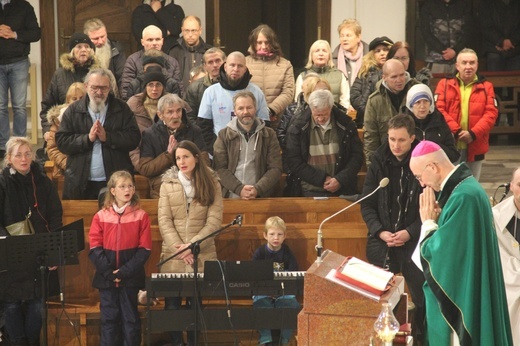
344,234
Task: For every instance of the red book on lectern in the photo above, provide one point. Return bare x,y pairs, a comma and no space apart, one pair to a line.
364,275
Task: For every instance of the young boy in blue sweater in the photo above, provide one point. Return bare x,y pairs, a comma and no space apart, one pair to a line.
283,260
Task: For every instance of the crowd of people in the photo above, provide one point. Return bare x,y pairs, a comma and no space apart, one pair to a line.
203,125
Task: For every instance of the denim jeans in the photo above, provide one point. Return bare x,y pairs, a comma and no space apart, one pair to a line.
265,302
13,78
23,321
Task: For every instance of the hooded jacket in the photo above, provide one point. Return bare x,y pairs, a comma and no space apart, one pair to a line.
216,106
268,162
59,159
383,211
69,72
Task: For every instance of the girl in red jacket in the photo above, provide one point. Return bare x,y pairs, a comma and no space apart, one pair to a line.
120,244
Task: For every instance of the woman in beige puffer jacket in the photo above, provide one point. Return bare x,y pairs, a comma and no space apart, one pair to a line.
182,222
270,71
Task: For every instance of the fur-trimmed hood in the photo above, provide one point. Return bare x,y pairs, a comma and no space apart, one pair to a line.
54,113
173,174
67,62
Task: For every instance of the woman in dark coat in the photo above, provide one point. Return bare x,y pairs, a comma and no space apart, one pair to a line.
429,122
25,190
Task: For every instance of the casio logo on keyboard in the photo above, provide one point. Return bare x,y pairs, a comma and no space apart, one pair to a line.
239,285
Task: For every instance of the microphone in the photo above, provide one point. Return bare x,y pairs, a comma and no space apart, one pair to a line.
238,220
319,246
507,186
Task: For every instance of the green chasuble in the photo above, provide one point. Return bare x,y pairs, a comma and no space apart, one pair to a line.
464,289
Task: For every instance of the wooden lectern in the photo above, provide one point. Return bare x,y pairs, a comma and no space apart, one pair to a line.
335,315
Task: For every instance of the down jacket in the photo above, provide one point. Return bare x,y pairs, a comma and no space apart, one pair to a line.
61,80
483,112
276,79
268,162
350,157
180,223
121,242
122,136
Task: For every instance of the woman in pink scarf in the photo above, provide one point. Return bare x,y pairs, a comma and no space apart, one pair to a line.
349,53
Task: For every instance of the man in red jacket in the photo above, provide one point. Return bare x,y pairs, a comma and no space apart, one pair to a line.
468,104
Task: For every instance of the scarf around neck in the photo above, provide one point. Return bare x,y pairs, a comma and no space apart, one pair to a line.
342,63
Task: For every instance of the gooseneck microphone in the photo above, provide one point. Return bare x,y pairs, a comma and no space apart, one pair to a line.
319,246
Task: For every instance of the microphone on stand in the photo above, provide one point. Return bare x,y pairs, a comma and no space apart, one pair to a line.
507,187
319,246
238,220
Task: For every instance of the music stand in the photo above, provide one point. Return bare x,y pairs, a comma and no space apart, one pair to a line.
23,253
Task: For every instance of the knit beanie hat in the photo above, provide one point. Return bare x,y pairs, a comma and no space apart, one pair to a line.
159,60
154,76
79,37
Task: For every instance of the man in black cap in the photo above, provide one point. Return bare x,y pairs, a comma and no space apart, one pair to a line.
75,65
18,28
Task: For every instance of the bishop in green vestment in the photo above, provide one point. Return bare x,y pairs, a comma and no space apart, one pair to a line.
464,290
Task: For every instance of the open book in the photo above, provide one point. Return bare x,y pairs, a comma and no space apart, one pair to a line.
364,275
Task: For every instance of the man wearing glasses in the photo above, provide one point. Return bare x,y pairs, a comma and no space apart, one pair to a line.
464,293
96,133
190,48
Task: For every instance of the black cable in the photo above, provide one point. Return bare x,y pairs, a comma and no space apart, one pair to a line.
228,303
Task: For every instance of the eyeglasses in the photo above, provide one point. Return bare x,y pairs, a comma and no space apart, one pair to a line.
25,155
192,31
419,176
96,88
124,187
154,85
401,58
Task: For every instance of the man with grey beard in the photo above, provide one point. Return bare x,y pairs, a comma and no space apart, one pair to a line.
109,53
97,134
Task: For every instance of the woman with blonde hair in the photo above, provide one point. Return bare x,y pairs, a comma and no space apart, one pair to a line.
75,92
348,55
26,193
369,74
320,62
